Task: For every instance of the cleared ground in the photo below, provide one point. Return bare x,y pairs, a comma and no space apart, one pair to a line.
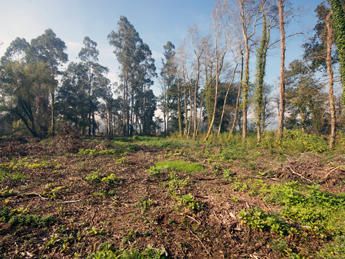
152,197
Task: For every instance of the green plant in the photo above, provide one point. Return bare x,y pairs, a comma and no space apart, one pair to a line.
94,177
17,217
175,165
110,180
258,219
11,176
107,251
145,204
189,202
175,184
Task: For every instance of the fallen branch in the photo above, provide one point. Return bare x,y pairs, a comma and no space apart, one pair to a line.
71,201
331,171
301,176
202,244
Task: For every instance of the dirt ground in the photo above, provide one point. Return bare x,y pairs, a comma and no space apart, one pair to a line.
86,216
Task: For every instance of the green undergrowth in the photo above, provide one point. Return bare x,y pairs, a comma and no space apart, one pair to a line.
21,217
302,210
107,251
9,175
175,166
104,183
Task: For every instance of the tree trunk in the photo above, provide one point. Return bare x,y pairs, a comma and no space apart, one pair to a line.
338,20
329,42
282,71
52,126
237,105
260,74
179,117
245,90
219,65
225,100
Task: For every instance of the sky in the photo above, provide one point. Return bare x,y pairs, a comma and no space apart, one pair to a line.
157,22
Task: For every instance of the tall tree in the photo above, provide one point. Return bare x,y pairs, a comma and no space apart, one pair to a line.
97,82
249,17
281,5
137,70
50,49
338,21
168,75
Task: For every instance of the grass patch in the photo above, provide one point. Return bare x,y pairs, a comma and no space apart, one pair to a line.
175,166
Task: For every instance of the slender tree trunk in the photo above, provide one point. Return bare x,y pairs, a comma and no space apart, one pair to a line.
219,65
190,110
196,90
179,117
52,129
245,90
282,71
225,100
329,42
237,105
185,108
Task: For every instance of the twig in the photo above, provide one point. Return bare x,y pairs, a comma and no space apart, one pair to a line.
66,202
331,171
301,176
194,219
200,242
32,194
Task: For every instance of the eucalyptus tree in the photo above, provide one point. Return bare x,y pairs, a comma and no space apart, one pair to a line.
96,83
169,79
50,49
137,72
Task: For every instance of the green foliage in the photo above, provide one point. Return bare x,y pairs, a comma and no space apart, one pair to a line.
53,192
94,152
176,166
297,141
94,177
6,175
175,184
190,202
107,251
110,180
258,219
145,204
334,250
338,18
17,217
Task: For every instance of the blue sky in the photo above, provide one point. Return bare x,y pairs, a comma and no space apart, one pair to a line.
157,21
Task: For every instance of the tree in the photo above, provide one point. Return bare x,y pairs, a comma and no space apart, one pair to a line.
50,49
25,94
97,82
137,70
249,18
338,21
168,75
281,113
268,21
318,51
305,102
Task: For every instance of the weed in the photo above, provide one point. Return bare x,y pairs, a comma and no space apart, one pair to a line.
17,217
175,184
7,175
258,219
95,152
110,180
106,250
145,204
189,202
